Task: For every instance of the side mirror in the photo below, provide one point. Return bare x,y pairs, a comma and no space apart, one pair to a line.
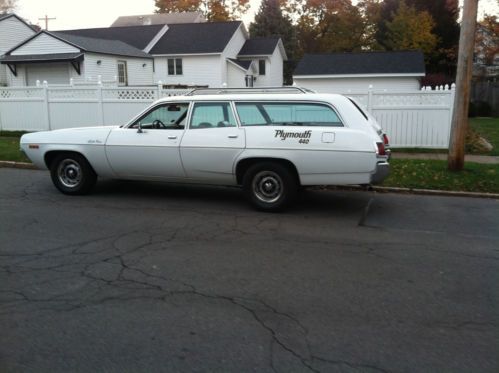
140,128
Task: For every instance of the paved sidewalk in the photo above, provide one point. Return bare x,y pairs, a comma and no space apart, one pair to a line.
443,157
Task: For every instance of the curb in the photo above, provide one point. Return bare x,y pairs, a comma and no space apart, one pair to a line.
380,189
23,165
430,192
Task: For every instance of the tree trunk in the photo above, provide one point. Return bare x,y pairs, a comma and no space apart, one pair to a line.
455,158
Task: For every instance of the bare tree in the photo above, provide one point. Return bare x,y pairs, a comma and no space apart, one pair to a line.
7,6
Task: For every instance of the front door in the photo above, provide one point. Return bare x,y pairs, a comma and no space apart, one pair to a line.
212,143
149,148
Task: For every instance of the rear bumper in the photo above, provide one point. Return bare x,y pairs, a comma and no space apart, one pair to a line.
381,173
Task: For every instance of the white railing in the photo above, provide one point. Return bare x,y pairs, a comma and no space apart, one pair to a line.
411,119
54,107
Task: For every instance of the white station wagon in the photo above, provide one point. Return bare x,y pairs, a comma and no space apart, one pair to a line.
269,141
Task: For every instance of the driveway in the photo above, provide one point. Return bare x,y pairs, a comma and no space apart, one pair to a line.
157,277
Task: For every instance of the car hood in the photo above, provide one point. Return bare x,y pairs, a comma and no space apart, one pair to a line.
82,135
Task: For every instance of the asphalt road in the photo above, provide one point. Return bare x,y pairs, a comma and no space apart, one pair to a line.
142,277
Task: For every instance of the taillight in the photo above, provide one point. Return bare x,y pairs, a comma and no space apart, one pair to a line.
385,140
381,148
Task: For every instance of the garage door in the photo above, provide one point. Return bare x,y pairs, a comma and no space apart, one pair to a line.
53,73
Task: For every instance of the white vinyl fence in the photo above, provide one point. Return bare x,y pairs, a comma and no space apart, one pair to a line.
411,119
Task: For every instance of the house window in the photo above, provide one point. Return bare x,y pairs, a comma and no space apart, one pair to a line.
174,66
261,67
122,73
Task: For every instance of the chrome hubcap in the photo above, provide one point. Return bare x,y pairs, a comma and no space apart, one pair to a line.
69,172
267,186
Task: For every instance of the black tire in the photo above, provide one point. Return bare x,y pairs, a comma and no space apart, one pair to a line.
270,186
72,174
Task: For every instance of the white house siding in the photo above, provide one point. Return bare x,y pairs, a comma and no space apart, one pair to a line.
12,33
273,71
19,80
108,69
235,76
197,69
44,44
331,85
231,50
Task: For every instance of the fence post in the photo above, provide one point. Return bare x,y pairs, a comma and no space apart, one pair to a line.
46,106
451,109
370,98
160,88
100,102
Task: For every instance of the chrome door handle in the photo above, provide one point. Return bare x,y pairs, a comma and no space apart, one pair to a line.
172,137
232,136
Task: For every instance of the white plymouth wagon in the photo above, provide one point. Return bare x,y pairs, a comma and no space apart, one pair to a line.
270,143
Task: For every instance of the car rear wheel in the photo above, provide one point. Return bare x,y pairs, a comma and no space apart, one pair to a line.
270,186
72,174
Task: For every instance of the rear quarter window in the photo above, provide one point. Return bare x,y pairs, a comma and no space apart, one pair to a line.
287,114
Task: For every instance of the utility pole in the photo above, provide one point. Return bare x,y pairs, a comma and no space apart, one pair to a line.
46,19
455,159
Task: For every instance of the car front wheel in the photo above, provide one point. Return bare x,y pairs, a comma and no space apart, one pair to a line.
270,186
72,174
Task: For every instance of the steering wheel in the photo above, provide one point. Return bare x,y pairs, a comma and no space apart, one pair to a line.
157,124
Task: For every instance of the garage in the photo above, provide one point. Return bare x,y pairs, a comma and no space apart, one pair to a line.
53,73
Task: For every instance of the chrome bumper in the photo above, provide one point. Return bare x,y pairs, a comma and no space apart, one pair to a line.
381,173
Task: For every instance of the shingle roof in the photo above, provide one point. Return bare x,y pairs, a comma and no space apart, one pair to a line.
397,62
158,19
114,47
41,57
195,38
136,36
259,47
245,64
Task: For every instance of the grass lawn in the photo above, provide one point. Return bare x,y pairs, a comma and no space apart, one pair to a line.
9,150
489,129
433,174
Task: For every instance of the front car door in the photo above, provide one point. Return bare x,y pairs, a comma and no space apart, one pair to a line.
149,147
212,143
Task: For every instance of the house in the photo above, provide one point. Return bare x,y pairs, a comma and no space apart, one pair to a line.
202,54
208,54
159,19
13,30
57,57
341,72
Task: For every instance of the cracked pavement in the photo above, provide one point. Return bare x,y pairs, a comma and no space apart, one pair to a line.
161,277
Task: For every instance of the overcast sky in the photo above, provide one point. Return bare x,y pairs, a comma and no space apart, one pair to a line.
72,14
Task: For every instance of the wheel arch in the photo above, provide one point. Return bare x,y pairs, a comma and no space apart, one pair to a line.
51,155
244,164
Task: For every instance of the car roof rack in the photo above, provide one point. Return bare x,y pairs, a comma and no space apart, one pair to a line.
222,91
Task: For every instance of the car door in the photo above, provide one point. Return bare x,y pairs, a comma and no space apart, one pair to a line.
212,142
149,147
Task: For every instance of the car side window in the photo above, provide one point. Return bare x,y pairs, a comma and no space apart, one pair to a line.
287,114
169,116
212,115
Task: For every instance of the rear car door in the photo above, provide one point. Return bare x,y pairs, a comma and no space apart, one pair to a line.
212,142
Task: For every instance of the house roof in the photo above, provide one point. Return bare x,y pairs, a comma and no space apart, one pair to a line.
35,58
158,19
8,15
196,38
360,63
136,36
245,64
259,47
113,47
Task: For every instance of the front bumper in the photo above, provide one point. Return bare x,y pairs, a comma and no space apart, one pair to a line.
381,173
